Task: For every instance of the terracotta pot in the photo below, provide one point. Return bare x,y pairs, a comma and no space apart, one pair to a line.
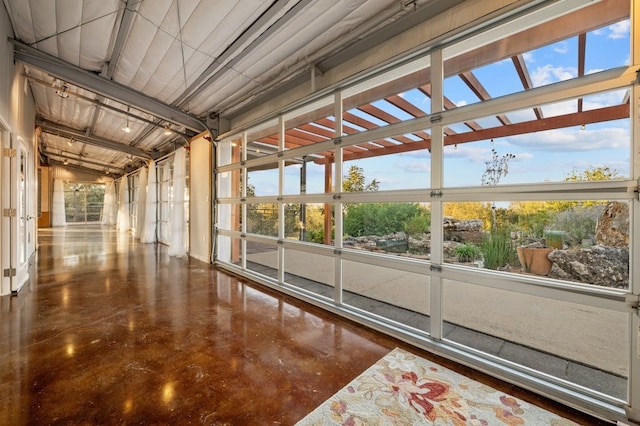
535,260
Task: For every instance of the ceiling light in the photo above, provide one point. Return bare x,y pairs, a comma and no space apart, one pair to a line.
127,129
63,91
167,130
70,142
65,161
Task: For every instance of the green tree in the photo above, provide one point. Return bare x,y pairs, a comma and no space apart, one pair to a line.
590,174
354,181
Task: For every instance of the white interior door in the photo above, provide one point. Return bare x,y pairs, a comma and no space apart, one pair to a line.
23,217
16,213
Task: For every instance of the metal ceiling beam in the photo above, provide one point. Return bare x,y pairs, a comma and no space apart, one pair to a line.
107,88
81,136
74,157
130,9
220,64
80,168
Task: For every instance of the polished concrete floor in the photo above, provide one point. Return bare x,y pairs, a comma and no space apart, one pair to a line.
110,331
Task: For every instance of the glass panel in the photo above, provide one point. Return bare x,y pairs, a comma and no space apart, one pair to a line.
262,142
307,227
262,180
400,296
262,219
229,250
262,258
228,151
389,228
591,39
229,184
310,271
305,175
393,101
475,158
83,202
581,344
585,242
229,216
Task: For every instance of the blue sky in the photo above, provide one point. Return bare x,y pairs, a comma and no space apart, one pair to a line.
539,157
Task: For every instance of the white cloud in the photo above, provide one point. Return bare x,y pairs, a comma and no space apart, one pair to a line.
528,57
461,103
548,74
619,30
414,166
605,99
568,140
562,47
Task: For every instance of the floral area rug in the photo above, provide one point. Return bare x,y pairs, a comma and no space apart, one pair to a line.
404,389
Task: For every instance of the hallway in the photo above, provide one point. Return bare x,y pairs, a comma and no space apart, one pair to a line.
110,331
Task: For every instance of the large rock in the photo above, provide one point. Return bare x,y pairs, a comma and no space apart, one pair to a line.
612,228
463,231
599,265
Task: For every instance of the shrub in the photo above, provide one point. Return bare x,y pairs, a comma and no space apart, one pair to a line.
497,249
378,218
418,224
578,223
467,252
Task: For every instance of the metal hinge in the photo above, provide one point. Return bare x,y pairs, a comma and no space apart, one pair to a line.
9,272
435,268
337,141
436,194
9,212
636,306
9,152
435,118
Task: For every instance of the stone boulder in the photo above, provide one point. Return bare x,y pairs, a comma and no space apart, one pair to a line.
612,228
463,231
599,265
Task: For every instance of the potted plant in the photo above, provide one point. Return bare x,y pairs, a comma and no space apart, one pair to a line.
534,258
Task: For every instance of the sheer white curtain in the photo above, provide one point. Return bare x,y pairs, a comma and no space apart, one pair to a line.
176,244
141,202
123,205
58,217
109,208
148,234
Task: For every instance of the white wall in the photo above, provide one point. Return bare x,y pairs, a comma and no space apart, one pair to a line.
17,119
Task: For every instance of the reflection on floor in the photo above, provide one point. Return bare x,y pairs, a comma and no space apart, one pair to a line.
112,331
